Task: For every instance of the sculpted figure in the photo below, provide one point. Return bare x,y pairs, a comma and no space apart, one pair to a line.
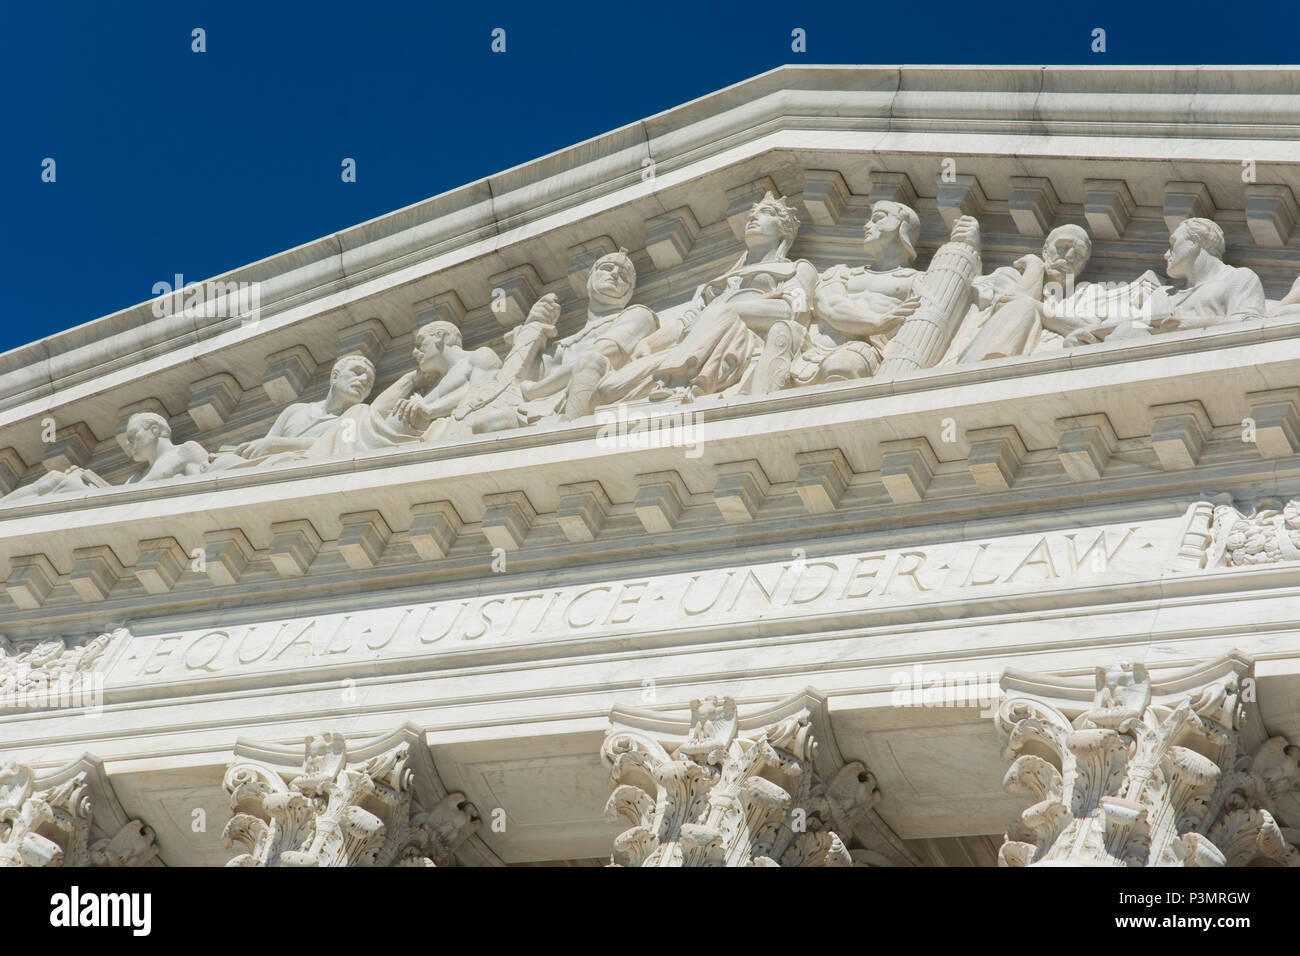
859,310
749,323
1289,306
573,370
57,483
148,441
477,394
300,424
718,343
1036,302
1215,292
443,374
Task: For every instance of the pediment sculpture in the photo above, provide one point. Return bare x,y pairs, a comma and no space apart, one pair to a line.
767,323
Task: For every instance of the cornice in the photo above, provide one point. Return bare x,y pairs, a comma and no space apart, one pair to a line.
1128,103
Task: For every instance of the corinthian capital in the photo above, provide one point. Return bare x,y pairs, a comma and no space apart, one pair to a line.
732,791
379,806
1147,773
68,817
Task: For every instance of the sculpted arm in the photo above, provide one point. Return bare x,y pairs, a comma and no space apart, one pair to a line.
277,439
860,314
399,390
443,399
194,459
1245,296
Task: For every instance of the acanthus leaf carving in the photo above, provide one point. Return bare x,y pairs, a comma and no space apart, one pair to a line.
341,813
1143,780
727,796
67,817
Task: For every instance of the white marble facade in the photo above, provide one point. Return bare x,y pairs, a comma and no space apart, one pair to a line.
858,466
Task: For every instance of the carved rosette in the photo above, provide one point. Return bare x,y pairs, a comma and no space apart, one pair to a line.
67,818
727,797
333,814
1137,781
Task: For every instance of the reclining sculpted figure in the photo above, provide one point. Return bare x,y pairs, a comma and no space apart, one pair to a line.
148,441
1036,302
443,375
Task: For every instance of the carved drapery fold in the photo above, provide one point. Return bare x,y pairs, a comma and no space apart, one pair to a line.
1143,778
337,812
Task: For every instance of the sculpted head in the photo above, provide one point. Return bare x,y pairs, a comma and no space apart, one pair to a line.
771,219
144,430
612,279
432,340
888,223
352,379
1066,251
1188,241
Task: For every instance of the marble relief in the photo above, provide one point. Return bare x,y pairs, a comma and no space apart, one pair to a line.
768,323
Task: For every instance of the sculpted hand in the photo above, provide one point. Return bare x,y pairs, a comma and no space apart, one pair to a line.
1084,336
904,308
545,310
413,412
254,449
966,229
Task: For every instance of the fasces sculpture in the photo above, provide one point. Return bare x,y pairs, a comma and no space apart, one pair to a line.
768,322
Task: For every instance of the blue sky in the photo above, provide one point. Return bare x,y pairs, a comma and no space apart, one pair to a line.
170,161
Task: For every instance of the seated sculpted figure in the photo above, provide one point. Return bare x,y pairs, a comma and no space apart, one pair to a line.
858,309
574,367
718,342
148,441
444,374
1037,301
1215,292
300,424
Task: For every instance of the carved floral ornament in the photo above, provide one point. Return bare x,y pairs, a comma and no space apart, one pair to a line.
68,817
766,324
1169,773
738,793
338,811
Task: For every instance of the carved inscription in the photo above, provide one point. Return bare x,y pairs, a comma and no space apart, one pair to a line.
841,584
